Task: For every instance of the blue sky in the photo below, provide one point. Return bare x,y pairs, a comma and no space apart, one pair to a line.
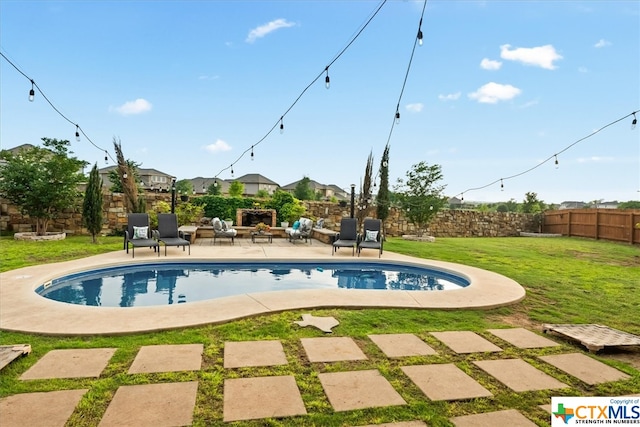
188,86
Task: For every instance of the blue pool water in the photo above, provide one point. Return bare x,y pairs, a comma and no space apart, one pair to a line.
174,283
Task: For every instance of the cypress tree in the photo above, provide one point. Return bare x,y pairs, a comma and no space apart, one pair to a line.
382,199
92,205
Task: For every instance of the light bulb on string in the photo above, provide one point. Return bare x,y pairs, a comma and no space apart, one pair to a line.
252,153
125,176
32,93
281,125
77,133
231,171
397,117
634,122
327,81
556,161
420,37
501,185
106,157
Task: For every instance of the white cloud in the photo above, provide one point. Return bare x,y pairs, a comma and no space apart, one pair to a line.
595,159
218,146
449,97
415,107
541,56
490,64
602,43
138,106
267,28
492,93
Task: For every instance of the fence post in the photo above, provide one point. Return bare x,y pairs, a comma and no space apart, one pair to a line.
569,224
596,225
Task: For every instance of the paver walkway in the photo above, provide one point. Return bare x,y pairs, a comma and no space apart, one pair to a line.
162,403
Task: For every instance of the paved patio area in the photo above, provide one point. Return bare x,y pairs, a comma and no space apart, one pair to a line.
23,310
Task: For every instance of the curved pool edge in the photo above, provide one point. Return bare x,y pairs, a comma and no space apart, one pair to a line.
22,310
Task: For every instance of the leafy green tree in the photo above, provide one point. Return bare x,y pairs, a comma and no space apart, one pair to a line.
93,204
42,181
382,199
531,203
420,197
631,204
262,194
278,199
303,190
184,187
236,189
213,189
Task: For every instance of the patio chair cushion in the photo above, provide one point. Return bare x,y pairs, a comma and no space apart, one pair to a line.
370,236
140,232
296,225
217,224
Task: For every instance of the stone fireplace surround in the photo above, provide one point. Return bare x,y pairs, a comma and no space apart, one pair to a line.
251,217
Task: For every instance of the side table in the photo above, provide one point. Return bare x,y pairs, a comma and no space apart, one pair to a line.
256,235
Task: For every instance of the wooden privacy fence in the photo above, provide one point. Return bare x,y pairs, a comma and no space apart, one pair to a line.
622,225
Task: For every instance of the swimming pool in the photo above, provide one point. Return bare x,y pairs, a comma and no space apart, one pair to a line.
169,283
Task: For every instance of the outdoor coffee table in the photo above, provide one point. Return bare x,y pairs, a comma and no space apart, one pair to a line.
256,235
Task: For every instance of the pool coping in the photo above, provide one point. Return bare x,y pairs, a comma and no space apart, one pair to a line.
22,310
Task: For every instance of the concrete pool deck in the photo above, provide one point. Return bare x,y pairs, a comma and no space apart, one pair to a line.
25,311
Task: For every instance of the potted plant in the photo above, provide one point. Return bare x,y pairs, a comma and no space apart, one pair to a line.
262,228
229,222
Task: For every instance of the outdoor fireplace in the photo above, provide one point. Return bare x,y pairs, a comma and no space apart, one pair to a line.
251,217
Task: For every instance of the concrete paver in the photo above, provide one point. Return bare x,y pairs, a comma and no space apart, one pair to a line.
262,397
518,375
465,342
523,338
253,353
358,390
52,408
401,345
332,349
167,358
445,382
325,324
153,405
509,417
73,363
585,368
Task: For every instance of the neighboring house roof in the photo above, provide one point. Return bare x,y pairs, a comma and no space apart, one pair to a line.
200,182
572,205
455,201
314,185
16,150
254,178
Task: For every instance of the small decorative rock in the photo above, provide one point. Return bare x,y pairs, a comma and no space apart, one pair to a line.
323,323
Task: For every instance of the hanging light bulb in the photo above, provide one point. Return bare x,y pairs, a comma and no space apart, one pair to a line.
204,189
77,133
106,157
501,185
385,164
281,125
420,37
556,156
252,153
634,122
462,200
215,183
397,117
231,171
124,175
32,93
327,81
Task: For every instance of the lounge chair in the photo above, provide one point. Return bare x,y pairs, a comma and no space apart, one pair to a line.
168,232
220,230
138,233
348,235
372,236
301,229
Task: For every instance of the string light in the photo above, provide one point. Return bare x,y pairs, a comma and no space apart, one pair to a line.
556,161
252,153
231,171
634,122
327,81
501,185
397,117
281,125
32,93
77,133
106,157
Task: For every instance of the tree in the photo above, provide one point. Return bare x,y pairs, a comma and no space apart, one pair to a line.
364,200
382,199
420,198
42,181
236,189
278,199
184,187
116,179
303,190
129,179
213,189
92,204
631,204
531,203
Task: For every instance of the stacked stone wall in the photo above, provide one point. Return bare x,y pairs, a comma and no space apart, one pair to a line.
447,223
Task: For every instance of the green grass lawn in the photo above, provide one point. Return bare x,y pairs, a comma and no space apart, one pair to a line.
568,280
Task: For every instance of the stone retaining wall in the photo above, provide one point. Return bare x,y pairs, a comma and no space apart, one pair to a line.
448,223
